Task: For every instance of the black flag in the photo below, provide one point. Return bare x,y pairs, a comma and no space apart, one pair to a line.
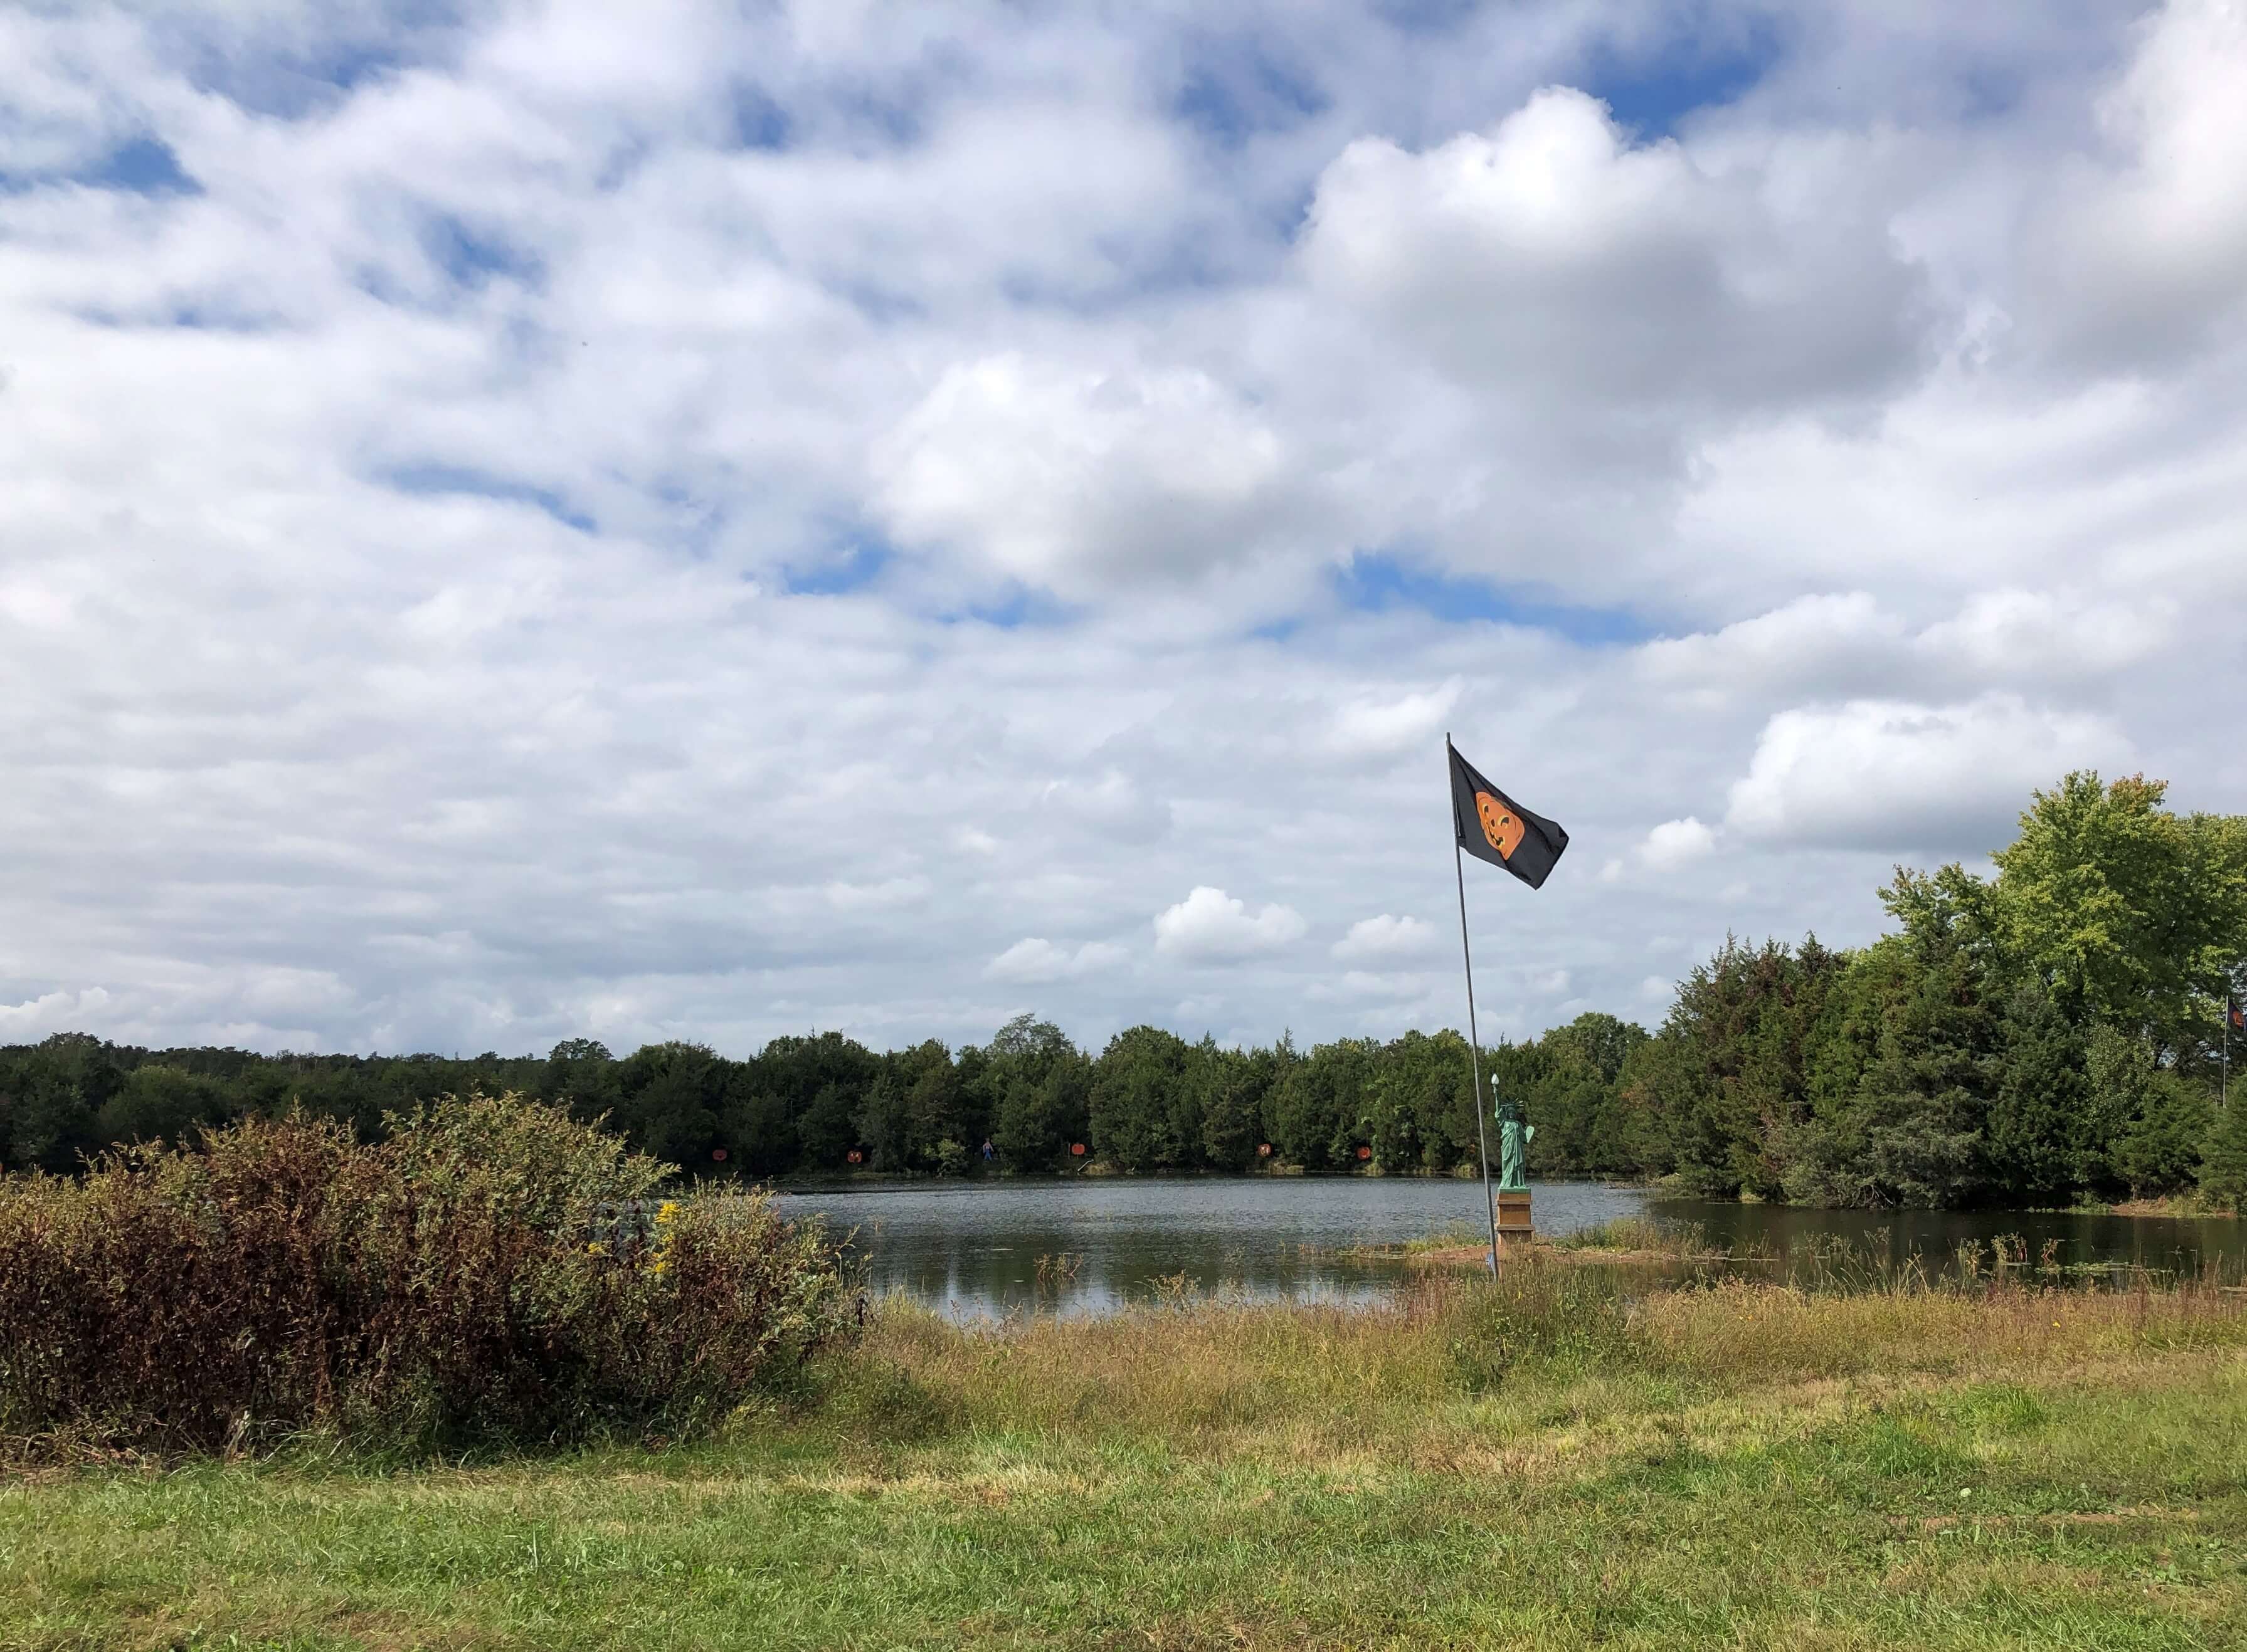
1492,827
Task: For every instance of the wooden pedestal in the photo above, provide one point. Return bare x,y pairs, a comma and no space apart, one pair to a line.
1513,1209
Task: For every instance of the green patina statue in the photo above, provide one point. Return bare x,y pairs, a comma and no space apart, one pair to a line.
1513,1143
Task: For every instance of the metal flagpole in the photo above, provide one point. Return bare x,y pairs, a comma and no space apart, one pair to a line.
1474,1040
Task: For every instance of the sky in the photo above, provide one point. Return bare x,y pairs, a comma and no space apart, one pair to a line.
522,522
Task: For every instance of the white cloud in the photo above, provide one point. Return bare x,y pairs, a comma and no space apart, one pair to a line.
718,522
56,1012
1888,775
1385,726
1386,937
1036,960
889,893
1209,925
1112,805
2141,246
1079,480
1551,251
1839,638
1359,983
1850,644
2015,635
1675,844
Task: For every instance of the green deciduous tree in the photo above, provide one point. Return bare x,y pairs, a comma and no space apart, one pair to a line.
2130,915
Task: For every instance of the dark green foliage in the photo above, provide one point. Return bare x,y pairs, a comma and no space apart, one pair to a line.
1234,1086
1143,1104
2159,1148
2043,1102
1320,1113
2223,1161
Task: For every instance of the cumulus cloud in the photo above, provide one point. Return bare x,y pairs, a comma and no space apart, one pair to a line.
1209,926
713,522
1384,727
1075,481
1890,776
1112,804
1552,251
2141,244
1838,639
1034,960
1357,985
1676,844
1386,937
1850,644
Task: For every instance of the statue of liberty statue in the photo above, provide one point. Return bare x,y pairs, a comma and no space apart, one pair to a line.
1512,1144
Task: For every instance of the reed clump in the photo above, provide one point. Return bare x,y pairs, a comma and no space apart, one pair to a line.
491,1271
1210,1374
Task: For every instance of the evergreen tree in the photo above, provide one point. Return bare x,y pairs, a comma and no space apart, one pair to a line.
2224,1158
882,1123
1135,1115
2044,1098
2159,1152
1232,1111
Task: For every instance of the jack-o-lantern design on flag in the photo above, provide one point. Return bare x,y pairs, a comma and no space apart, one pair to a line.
1500,824
1490,826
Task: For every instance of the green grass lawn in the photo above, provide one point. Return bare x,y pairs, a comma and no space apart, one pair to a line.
1568,1465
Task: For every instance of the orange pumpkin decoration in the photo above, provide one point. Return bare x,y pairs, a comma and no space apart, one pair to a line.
1500,825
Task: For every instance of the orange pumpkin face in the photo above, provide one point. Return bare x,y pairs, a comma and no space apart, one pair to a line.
1500,824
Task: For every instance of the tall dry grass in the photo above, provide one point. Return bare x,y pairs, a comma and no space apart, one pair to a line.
1202,1374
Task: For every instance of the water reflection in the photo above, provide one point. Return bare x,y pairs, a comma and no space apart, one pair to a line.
973,1250
1931,1239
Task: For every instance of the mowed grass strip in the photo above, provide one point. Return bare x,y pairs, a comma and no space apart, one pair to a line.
1576,1463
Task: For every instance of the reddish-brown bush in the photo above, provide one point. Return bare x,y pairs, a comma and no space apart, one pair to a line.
453,1281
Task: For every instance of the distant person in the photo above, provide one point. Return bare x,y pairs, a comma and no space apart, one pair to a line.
990,1153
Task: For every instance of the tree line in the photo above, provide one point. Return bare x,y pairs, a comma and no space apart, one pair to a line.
2046,1035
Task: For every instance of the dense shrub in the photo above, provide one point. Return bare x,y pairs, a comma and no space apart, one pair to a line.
466,1278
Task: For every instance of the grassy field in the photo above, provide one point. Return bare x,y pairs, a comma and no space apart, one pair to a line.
1573,1457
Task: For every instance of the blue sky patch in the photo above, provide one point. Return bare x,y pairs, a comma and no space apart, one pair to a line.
756,121
1021,605
1652,92
472,257
293,89
454,479
141,165
1425,17
854,564
1240,91
1378,580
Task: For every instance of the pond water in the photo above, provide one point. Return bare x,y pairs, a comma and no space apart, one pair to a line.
2160,1244
973,1250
